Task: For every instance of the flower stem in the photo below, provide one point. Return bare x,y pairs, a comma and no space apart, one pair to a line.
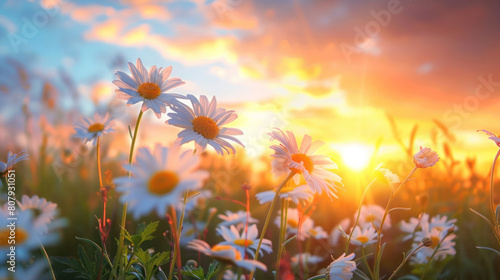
376,264
175,236
4,182
492,198
357,216
48,260
283,220
118,258
366,261
268,217
404,261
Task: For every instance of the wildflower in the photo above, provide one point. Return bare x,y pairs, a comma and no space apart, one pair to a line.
425,158
28,236
411,226
292,224
341,268
248,240
386,176
317,232
90,130
225,254
150,88
363,237
438,236
11,160
493,137
239,219
43,211
190,231
297,194
372,215
303,162
337,231
160,178
203,125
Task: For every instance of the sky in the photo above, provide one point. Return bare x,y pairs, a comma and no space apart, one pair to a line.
332,69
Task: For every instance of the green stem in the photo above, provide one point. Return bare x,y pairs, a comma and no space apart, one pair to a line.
430,259
222,272
492,199
404,261
118,258
4,182
365,261
175,234
357,216
376,264
48,260
268,217
283,224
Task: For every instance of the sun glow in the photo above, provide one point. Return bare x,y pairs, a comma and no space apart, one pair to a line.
356,156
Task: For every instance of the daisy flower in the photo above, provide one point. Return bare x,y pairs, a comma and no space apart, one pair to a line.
363,237
295,194
493,137
11,160
190,232
292,224
150,88
386,176
411,226
373,213
43,211
446,248
28,236
442,223
239,219
337,231
203,125
317,232
244,240
303,162
160,178
341,268
226,254
90,130
425,158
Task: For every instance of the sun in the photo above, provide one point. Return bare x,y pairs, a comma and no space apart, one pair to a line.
356,155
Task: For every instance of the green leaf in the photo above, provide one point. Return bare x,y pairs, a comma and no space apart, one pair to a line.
195,272
489,249
96,246
213,269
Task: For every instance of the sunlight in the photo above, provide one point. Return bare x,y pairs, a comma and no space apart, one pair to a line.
356,156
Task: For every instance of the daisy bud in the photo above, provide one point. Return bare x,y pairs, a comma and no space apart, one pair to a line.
450,230
425,158
246,186
427,241
192,263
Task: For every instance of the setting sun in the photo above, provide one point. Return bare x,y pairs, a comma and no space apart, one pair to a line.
356,156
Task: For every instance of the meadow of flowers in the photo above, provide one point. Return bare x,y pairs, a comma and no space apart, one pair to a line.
159,213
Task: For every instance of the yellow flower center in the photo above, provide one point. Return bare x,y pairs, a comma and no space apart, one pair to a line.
435,241
97,127
370,218
362,239
218,248
163,182
313,232
20,236
149,90
293,223
308,163
243,242
206,127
